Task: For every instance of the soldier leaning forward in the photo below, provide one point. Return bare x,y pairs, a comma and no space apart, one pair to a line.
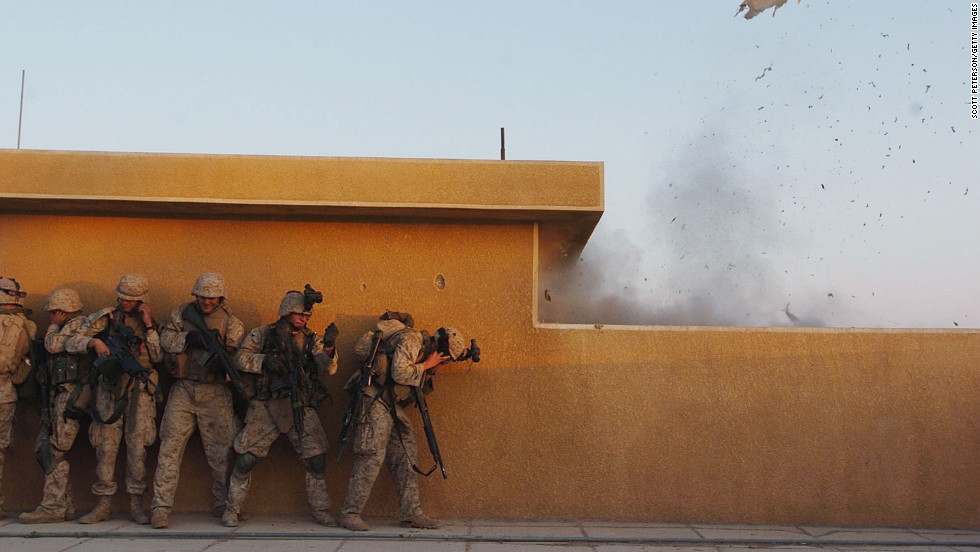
65,394
200,396
16,333
289,365
383,434
125,340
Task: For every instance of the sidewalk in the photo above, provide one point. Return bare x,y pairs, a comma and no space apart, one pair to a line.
287,533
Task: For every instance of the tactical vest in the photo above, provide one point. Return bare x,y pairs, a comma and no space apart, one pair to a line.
110,372
188,363
283,348
141,354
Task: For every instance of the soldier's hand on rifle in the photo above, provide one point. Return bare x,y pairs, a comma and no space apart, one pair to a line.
100,348
434,359
194,339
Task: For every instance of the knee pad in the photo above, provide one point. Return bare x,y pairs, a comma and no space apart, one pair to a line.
317,466
245,463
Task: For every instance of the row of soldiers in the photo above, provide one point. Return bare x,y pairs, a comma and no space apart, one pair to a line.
103,365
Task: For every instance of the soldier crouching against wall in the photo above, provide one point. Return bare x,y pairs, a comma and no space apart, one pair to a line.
63,380
16,333
288,364
200,395
383,434
126,342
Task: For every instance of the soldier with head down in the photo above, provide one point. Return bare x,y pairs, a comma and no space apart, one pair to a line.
383,434
124,404
288,364
16,333
64,376
200,396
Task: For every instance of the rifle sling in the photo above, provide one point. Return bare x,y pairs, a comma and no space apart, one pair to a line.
70,412
399,425
129,395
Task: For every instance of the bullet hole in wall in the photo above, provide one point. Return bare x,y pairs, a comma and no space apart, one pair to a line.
440,282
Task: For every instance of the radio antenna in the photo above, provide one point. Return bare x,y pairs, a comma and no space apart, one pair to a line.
20,118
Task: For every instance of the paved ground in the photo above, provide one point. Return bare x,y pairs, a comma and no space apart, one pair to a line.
265,533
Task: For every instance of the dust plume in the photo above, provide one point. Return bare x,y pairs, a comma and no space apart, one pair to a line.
700,255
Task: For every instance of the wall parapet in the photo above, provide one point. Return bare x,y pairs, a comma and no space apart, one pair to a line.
298,188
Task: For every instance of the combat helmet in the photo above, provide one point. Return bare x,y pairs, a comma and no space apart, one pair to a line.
133,287
64,299
293,302
10,292
210,285
451,342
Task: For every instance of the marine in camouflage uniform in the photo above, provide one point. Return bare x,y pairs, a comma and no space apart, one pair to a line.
64,378
266,357
383,435
16,333
137,421
200,396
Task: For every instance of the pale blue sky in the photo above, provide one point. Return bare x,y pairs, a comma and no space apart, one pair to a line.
824,157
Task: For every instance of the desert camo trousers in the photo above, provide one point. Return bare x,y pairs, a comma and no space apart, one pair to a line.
138,425
6,427
56,496
208,408
379,440
265,422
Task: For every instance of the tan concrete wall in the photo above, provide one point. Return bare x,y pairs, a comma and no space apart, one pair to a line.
849,427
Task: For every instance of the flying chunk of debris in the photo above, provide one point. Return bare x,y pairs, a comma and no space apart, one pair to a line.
764,70
756,7
792,317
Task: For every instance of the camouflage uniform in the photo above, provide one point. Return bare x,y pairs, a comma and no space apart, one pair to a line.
138,419
199,398
65,379
377,438
381,438
16,333
262,358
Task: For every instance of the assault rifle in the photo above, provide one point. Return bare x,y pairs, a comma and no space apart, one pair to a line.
215,349
284,347
430,434
43,379
473,353
121,340
357,393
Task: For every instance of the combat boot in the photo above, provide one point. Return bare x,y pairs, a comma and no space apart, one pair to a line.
101,512
161,518
40,515
136,511
420,521
229,519
353,522
324,517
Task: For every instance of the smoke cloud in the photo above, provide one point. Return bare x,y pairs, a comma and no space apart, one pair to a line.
703,255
